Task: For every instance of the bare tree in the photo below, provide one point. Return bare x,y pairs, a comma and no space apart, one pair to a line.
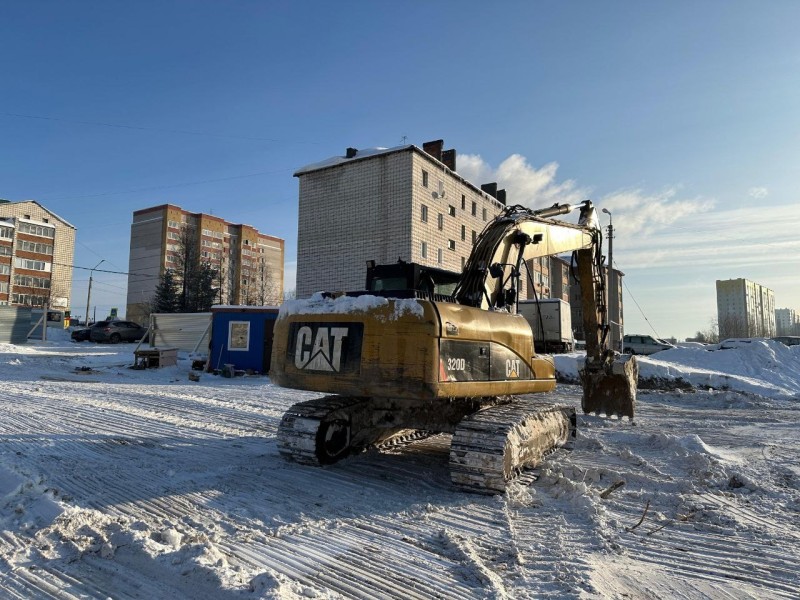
735,326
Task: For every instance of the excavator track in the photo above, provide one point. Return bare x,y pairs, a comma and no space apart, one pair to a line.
318,432
491,447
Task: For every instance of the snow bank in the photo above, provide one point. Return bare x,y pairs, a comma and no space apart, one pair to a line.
761,367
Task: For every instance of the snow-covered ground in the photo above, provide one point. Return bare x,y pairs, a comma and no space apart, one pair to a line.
119,483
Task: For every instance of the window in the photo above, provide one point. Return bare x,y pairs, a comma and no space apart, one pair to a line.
451,210
34,282
463,232
7,233
451,244
424,214
463,202
239,336
463,263
441,221
34,229
424,250
439,256
35,247
5,269
174,224
28,299
484,214
424,178
474,209
33,265
474,236
3,287
5,250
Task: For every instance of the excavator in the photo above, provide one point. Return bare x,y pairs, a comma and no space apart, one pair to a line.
421,352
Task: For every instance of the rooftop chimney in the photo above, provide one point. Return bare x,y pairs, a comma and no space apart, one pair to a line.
351,153
501,197
434,148
490,188
449,159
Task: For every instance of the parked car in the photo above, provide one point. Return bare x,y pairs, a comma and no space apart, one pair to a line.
116,331
80,335
643,344
788,340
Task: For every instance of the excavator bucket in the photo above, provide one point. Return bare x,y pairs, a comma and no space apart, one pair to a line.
609,386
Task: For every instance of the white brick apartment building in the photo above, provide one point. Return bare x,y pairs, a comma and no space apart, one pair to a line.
383,205
745,309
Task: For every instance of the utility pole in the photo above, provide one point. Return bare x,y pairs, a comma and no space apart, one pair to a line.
614,313
89,293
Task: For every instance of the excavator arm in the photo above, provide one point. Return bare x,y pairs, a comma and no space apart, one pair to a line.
493,272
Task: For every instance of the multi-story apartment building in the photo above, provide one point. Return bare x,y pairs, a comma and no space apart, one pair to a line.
37,248
786,322
383,205
404,203
744,309
250,264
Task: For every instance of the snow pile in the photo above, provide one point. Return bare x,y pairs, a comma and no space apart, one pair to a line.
322,304
762,367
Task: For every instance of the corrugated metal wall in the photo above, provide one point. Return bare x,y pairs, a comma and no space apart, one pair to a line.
181,330
15,323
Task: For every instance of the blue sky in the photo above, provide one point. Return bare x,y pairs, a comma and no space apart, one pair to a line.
682,118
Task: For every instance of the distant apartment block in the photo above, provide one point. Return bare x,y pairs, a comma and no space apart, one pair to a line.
250,264
744,309
786,321
383,205
37,248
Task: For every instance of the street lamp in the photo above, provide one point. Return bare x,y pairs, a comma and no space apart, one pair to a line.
89,293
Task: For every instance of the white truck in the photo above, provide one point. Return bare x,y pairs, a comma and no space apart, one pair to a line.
552,332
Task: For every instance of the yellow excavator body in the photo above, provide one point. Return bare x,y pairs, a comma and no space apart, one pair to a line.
413,349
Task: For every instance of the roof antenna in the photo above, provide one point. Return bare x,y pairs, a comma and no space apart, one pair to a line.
403,140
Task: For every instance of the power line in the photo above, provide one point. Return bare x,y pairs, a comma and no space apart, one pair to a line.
105,271
164,187
156,129
644,316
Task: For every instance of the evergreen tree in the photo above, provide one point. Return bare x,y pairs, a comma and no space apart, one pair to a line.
203,287
166,298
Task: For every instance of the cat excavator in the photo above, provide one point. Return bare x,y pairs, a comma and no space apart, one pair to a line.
419,352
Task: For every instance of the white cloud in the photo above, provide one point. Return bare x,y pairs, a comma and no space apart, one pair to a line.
526,185
759,193
637,213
